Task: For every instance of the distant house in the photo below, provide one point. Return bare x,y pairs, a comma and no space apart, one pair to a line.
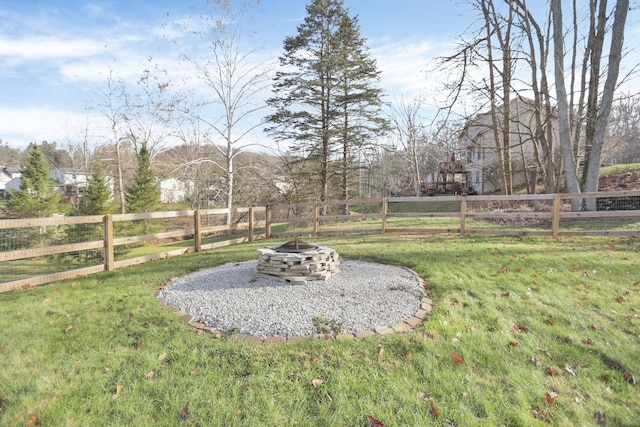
478,140
173,190
4,179
69,182
72,183
8,177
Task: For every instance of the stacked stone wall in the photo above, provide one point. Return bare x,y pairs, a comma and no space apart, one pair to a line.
313,264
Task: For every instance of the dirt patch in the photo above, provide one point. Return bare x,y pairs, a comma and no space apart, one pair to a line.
629,180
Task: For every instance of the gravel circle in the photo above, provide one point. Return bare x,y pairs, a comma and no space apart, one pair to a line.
233,297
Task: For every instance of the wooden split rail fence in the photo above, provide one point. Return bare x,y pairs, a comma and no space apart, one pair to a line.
543,215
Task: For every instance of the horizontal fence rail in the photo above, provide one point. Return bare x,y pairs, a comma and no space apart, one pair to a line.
36,251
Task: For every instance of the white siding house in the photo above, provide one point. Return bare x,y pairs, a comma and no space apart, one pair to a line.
478,139
173,190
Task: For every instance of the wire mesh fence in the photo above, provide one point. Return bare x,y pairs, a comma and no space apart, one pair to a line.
57,248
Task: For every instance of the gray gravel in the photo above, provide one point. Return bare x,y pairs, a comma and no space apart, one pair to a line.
363,296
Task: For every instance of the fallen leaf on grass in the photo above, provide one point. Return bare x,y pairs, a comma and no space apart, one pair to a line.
550,371
592,327
569,369
520,328
536,361
69,328
317,382
589,341
457,358
599,416
565,340
162,356
185,412
513,343
375,422
541,415
550,397
546,353
434,409
620,299
118,391
33,421
2,400
630,378
150,374
550,320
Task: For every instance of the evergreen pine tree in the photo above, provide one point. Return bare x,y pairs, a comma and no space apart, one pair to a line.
98,198
37,196
326,93
144,194
358,97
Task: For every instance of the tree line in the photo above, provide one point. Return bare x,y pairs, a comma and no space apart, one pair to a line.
337,133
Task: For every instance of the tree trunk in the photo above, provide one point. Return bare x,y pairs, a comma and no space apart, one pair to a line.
571,178
592,172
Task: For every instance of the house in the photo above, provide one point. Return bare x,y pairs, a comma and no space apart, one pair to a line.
7,175
4,179
173,190
478,139
71,182
68,181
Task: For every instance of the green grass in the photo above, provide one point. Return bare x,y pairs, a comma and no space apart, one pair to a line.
68,347
610,170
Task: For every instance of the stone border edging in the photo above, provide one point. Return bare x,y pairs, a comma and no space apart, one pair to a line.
411,323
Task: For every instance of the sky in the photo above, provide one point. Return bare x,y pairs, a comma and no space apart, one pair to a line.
54,53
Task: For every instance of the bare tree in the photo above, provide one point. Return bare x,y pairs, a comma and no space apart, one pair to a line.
622,144
110,104
599,99
236,76
407,128
150,110
514,42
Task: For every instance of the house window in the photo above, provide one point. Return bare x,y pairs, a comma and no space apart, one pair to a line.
477,176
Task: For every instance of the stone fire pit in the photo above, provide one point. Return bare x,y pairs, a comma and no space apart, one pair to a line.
297,261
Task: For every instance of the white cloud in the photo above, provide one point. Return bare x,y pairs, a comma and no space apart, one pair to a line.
44,48
42,124
408,67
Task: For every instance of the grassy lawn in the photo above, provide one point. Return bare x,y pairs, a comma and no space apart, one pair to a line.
523,332
610,170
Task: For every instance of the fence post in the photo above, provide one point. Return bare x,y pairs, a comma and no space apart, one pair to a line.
251,224
555,227
109,261
197,234
383,214
267,225
463,214
316,220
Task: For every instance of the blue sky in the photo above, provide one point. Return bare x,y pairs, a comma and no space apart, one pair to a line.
54,52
